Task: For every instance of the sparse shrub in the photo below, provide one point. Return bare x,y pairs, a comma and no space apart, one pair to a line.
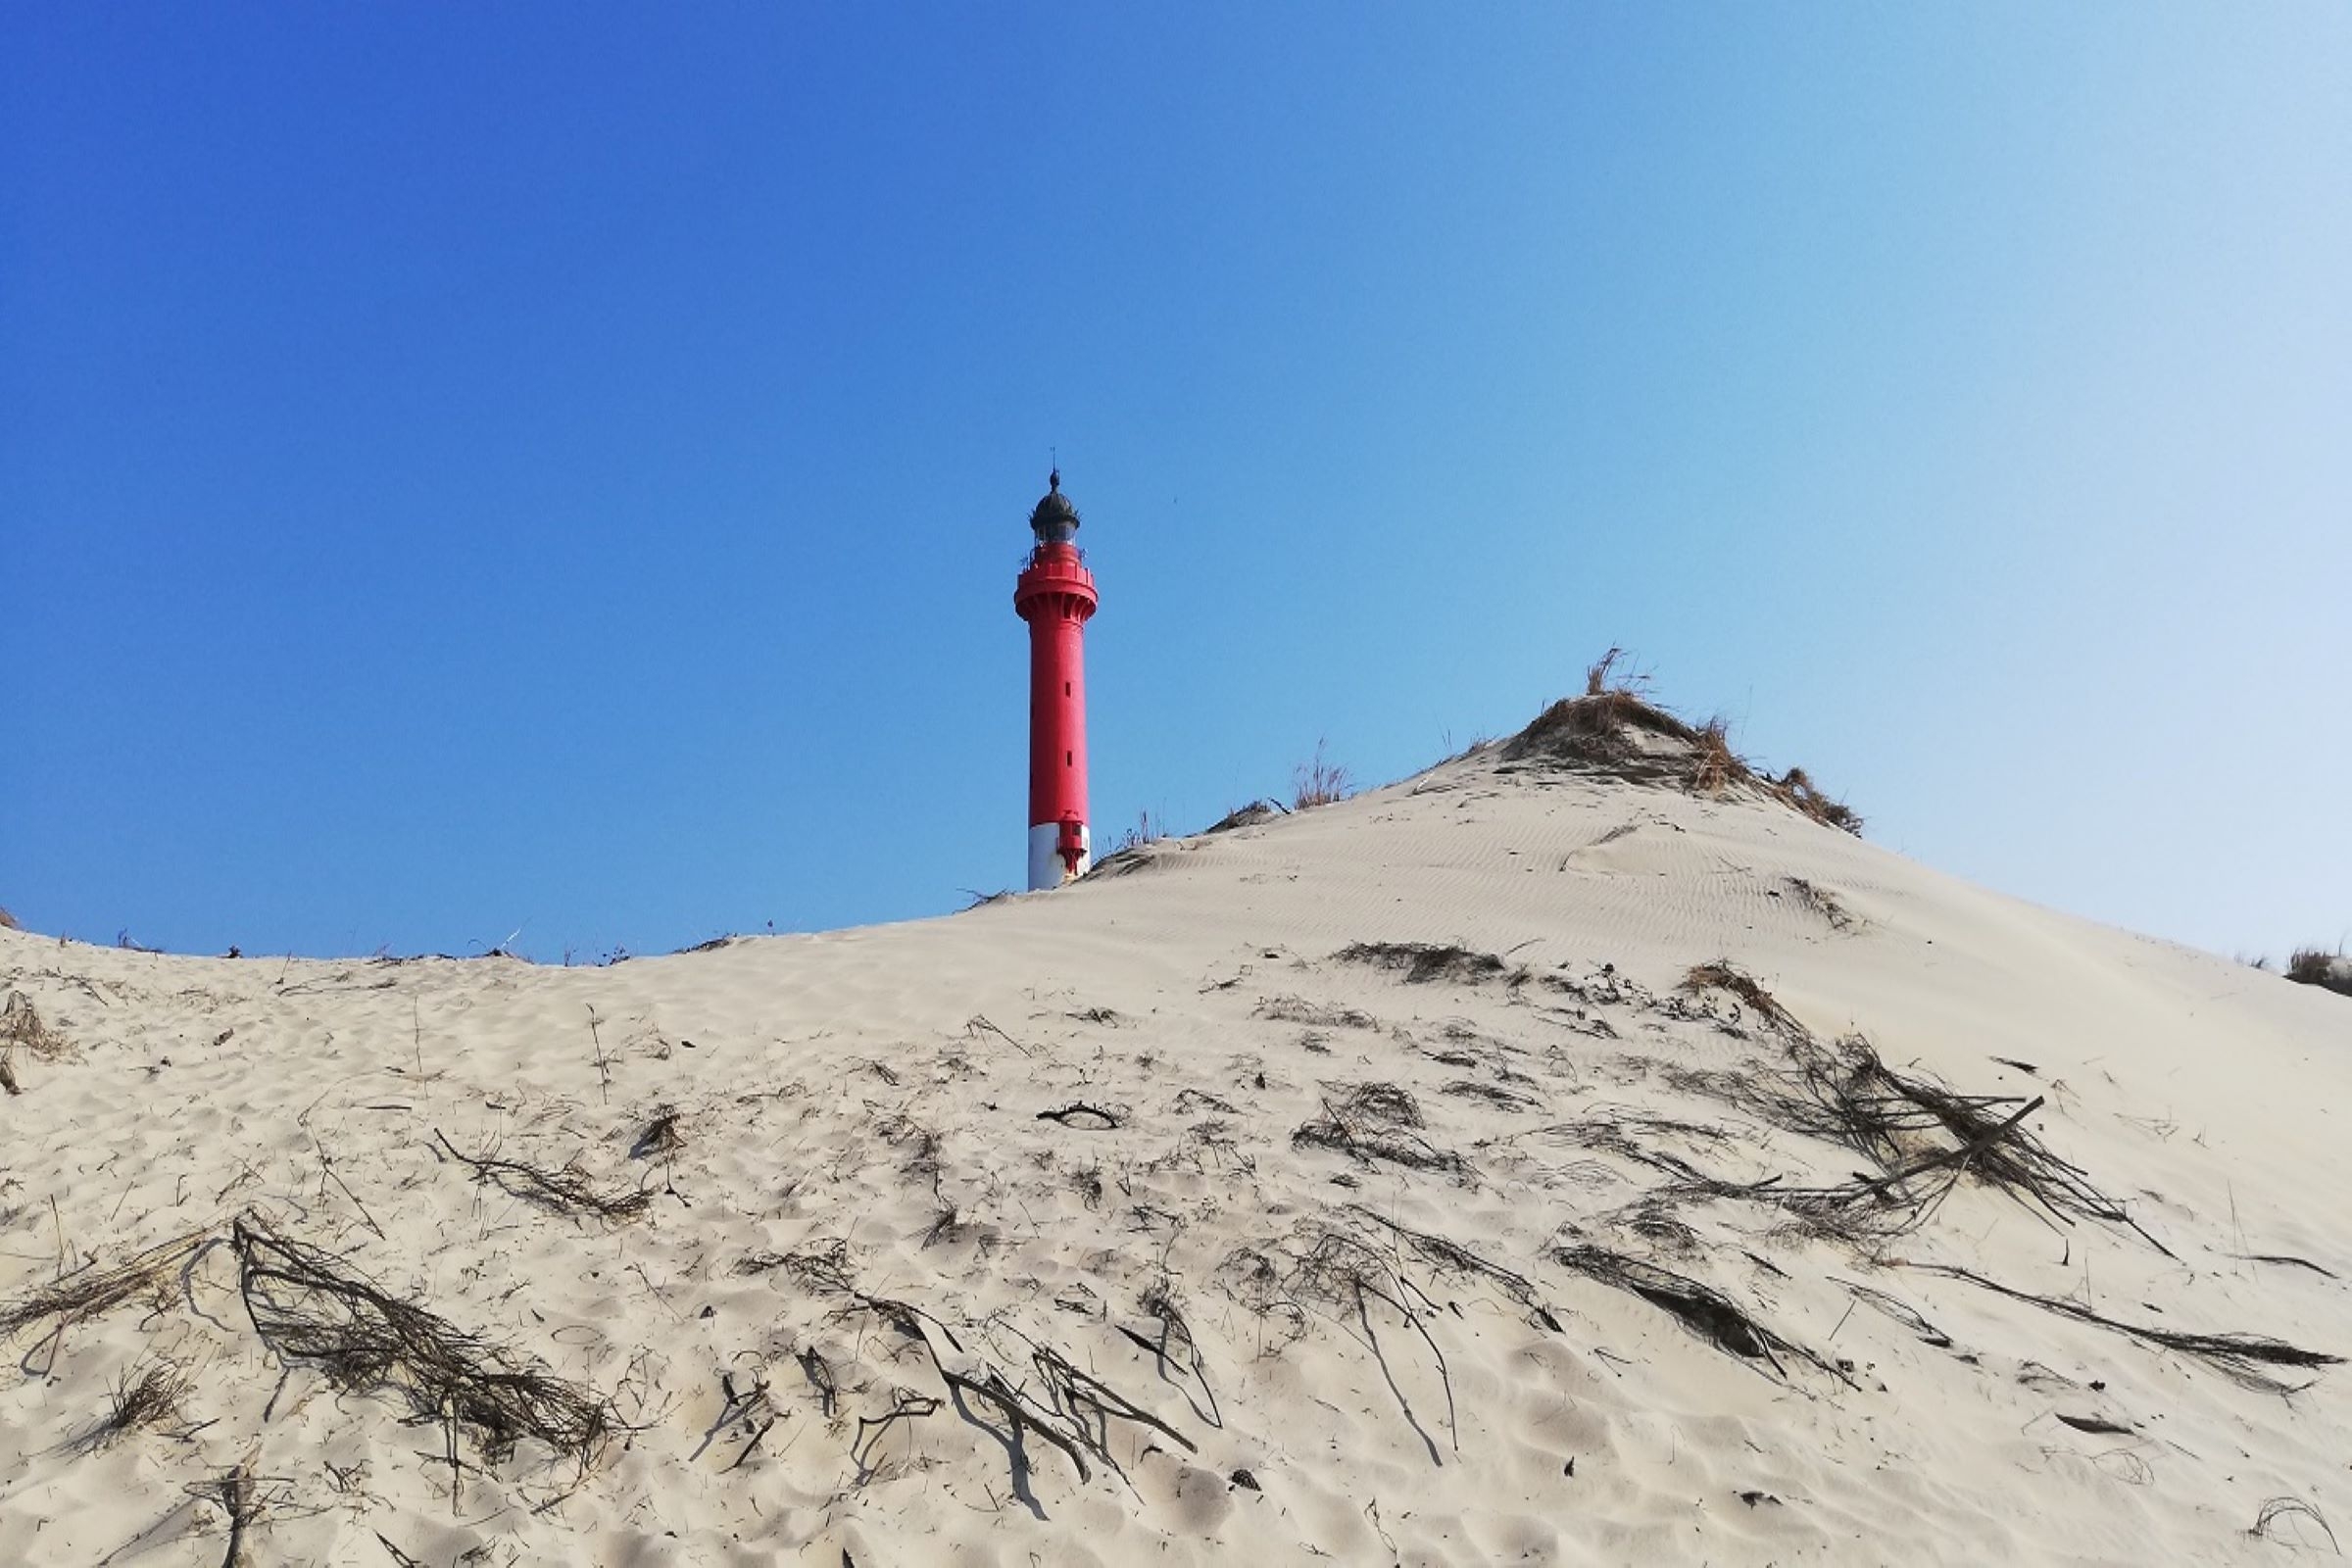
2330,971
1603,730
1320,781
1598,726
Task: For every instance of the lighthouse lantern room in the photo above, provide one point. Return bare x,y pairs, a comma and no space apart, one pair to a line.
1055,595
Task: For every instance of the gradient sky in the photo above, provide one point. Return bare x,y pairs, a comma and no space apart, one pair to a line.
561,470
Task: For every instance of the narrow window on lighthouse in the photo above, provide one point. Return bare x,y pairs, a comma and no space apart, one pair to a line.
1065,688
1065,761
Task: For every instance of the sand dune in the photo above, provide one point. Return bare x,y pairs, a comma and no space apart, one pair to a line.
1376,1184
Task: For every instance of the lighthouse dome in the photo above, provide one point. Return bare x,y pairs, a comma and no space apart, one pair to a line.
1054,519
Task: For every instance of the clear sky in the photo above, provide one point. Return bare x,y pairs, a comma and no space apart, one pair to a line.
561,470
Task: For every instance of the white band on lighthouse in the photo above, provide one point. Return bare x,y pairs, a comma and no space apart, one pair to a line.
1045,854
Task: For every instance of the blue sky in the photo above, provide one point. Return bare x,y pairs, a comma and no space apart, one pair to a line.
562,470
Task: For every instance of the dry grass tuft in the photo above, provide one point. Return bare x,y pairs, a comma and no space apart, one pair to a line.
1319,782
1421,963
1600,675
1376,1123
1797,791
1716,767
1295,1009
1385,1105
2280,1508
91,1291
1721,976
22,1029
1822,902
1493,1095
147,1395
1147,829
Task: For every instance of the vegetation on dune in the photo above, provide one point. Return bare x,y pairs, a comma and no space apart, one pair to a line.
23,1031
1604,730
1386,1188
2330,971
1319,781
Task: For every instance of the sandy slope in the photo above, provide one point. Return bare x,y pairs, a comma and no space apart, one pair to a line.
861,1193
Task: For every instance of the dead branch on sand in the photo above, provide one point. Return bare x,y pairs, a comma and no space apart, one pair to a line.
1922,1136
1701,1308
1087,1118
309,1306
234,1494
1852,1098
905,1406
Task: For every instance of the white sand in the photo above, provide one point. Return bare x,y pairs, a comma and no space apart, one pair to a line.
841,1089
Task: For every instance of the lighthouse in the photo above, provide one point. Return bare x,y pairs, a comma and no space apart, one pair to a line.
1054,595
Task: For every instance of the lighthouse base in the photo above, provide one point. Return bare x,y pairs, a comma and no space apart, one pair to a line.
1047,868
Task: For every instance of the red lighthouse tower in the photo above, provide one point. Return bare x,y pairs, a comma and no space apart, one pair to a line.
1054,595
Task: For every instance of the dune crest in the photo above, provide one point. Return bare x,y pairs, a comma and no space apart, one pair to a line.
1574,1154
